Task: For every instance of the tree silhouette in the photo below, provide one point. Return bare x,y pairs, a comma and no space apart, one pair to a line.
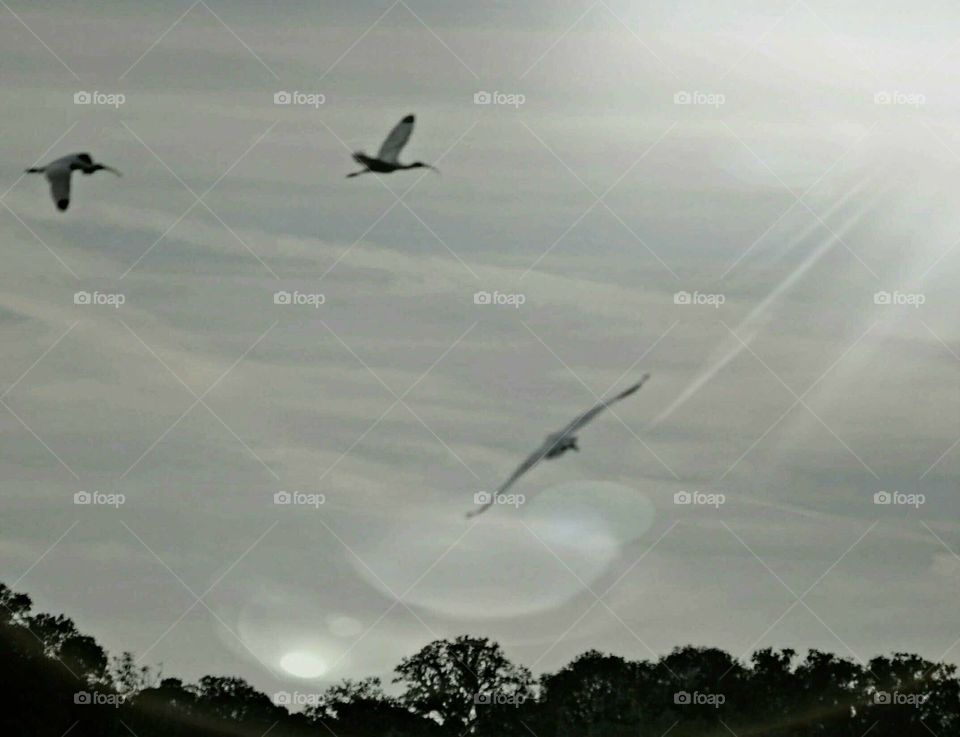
454,681
55,679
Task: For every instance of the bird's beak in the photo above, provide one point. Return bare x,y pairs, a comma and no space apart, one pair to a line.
433,169
114,171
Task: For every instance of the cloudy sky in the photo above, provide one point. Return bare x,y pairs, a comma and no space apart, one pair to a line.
754,202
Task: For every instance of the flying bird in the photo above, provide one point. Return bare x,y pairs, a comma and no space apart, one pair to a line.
386,159
558,443
58,173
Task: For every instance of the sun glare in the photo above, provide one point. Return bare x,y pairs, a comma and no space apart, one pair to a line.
303,665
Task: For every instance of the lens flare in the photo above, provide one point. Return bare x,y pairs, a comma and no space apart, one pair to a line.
303,665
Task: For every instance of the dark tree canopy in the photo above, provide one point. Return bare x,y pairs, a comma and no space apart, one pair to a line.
55,678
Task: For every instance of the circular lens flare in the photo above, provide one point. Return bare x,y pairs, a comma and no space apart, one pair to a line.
303,665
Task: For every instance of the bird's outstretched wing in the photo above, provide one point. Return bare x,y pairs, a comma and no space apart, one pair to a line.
59,179
397,139
532,460
554,439
594,411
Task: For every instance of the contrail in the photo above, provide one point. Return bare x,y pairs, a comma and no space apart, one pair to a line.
745,324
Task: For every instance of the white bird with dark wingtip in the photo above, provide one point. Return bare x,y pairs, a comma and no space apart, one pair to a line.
58,173
558,443
386,159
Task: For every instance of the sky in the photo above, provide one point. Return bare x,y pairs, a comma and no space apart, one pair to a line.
753,202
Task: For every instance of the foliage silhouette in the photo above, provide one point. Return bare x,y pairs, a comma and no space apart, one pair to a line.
54,679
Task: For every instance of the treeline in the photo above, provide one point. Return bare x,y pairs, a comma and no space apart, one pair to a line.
55,680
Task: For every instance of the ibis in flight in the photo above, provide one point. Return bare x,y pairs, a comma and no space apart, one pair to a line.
386,159
58,173
557,443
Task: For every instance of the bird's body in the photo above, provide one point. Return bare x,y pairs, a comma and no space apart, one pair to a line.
386,161
59,172
558,443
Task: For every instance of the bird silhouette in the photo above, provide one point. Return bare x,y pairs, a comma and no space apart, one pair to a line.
558,443
58,173
386,159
